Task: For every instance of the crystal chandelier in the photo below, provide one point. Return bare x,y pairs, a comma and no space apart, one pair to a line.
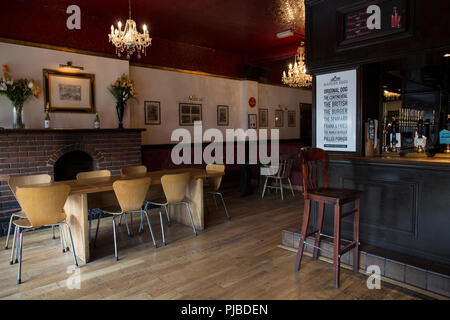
296,76
129,39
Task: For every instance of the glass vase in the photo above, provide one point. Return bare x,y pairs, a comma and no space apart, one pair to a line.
120,108
18,117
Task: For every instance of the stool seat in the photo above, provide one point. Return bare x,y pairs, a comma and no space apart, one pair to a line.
333,195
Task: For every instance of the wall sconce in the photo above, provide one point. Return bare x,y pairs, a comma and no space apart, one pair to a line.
70,67
194,98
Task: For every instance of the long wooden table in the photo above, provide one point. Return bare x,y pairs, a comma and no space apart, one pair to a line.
94,193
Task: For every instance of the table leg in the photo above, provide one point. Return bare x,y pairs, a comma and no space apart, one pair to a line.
76,209
194,196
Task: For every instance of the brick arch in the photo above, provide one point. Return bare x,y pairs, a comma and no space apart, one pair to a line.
97,156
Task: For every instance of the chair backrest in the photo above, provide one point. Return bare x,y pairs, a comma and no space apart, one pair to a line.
312,158
215,181
93,174
131,193
133,170
175,185
43,205
285,167
20,181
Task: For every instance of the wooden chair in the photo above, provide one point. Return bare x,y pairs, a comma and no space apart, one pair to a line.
134,171
43,206
20,181
92,175
311,159
130,194
174,187
283,173
214,185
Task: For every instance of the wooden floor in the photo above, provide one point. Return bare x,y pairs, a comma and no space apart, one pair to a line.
237,259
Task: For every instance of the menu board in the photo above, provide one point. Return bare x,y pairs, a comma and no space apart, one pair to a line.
377,19
336,111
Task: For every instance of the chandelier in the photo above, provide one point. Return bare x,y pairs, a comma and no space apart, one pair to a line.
130,40
296,76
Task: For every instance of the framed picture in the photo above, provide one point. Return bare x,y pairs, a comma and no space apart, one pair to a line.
152,111
292,118
279,115
190,112
263,118
69,92
252,121
222,116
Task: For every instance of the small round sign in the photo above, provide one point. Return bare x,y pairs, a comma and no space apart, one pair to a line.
252,102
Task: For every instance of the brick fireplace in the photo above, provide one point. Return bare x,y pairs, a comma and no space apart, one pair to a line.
35,151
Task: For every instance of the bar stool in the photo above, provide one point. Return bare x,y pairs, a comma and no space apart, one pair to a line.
20,181
311,159
130,194
43,206
174,187
214,185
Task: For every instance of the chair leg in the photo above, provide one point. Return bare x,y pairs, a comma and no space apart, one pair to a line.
71,244
292,189
19,273
319,228
356,236
167,214
53,232
190,216
9,231
281,188
11,261
150,228
265,186
224,206
66,244
141,225
120,220
115,238
337,244
301,244
215,200
162,227
98,225
126,224
16,254
63,245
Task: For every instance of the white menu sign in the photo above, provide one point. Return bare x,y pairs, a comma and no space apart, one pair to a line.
336,111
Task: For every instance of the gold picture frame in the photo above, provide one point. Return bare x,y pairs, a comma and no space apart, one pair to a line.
69,92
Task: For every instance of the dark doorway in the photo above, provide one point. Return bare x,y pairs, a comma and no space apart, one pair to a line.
306,123
68,165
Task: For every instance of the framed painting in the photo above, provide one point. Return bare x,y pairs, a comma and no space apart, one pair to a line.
263,118
252,121
190,112
69,92
222,115
152,111
292,118
279,115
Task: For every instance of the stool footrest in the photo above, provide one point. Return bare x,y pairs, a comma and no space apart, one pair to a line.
311,233
348,247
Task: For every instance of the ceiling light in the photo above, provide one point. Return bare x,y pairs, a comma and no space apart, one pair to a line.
297,76
69,65
447,55
285,34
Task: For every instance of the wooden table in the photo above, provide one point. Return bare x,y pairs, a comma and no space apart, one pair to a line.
93,193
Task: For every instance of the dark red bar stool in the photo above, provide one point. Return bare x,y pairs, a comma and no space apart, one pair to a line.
311,159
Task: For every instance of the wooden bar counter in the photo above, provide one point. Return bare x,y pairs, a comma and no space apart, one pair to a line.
405,206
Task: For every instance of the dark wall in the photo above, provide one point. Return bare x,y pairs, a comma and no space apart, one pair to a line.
427,30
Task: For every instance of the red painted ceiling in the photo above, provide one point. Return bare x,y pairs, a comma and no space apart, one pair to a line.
192,34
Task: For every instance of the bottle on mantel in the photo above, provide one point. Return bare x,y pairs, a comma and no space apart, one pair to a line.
97,121
47,117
